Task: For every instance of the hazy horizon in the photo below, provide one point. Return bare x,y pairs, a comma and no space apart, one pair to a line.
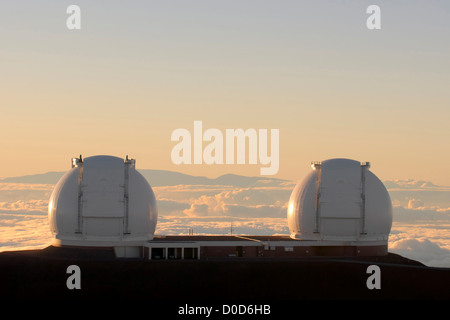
421,221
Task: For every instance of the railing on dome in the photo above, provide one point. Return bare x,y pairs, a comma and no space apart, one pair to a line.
364,166
129,163
317,165
78,163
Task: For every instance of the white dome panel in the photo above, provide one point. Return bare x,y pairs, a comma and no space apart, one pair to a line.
102,201
340,200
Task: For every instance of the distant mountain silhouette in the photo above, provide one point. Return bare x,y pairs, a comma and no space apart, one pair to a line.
412,184
158,178
42,178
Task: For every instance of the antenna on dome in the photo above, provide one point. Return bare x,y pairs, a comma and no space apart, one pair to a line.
130,162
316,165
365,164
77,161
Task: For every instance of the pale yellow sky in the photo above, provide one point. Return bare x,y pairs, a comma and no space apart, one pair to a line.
137,71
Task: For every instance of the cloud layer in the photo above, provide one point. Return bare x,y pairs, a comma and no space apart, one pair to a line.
421,228
428,243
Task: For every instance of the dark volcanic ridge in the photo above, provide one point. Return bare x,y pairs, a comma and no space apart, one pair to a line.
42,274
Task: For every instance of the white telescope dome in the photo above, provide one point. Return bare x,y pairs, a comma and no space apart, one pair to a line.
102,201
340,200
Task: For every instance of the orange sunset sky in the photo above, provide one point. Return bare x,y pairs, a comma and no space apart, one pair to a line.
137,70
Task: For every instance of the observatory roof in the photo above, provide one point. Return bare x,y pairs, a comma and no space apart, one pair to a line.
220,238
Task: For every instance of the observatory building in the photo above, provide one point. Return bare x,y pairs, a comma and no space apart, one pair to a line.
342,206
103,201
339,209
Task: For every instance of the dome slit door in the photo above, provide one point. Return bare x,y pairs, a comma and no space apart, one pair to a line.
103,199
340,202
317,166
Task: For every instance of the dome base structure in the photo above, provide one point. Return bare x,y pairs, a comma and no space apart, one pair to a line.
132,249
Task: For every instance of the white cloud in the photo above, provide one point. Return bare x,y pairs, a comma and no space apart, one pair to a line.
243,202
171,207
424,213
23,231
10,192
20,206
174,225
415,203
427,242
199,210
422,250
414,194
417,200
